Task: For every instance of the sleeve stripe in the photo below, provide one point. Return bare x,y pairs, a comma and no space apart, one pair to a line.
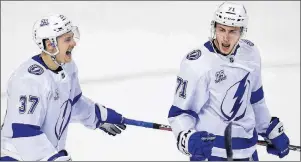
237,142
55,156
25,130
175,111
257,95
76,98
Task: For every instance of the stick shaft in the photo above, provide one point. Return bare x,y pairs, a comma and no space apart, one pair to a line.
168,128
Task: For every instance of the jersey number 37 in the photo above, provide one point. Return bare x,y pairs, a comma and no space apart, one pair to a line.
23,100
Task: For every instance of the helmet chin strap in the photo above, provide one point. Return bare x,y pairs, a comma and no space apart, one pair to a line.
53,56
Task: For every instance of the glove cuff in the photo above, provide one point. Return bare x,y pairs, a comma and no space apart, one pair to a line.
107,115
275,128
101,114
183,140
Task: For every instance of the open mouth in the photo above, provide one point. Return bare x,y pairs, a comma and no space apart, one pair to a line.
225,45
69,52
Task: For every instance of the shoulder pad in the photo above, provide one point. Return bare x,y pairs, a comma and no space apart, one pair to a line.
194,55
248,42
36,69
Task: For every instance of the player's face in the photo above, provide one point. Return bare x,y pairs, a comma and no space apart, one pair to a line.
227,37
66,43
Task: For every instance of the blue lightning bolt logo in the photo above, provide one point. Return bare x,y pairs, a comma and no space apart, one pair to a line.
239,93
238,96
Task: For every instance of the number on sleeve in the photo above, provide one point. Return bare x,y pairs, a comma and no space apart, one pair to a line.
181,84
23,101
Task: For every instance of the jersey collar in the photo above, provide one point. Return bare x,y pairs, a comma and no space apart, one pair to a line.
210,47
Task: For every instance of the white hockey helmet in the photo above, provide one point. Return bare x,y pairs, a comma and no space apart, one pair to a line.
51,27
231,14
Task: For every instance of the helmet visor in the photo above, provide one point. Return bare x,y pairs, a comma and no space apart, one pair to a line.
76,34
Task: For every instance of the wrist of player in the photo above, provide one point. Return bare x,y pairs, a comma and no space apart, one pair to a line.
277,139
196,143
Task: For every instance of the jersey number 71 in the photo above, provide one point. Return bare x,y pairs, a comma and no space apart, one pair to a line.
181,85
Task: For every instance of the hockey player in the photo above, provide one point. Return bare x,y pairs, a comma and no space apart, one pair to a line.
44,96
220,83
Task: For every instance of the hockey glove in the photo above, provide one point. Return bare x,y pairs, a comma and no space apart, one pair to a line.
112,129
196,144
277,138
107,115
109,120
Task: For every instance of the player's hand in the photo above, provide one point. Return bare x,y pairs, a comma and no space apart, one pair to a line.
112,129
196,144
277,138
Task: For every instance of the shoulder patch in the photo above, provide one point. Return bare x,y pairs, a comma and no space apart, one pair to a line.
35,69
193,55
248,42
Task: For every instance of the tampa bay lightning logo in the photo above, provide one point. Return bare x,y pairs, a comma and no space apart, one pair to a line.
236,100
35,69
63,119
195,54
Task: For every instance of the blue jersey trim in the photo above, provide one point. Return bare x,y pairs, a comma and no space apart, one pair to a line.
38,59
237,142
257,95
59,154
176,111
7,158
209,46
25,130
216,158
76,98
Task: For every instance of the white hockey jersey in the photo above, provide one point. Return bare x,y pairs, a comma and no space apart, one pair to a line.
40,105
213,89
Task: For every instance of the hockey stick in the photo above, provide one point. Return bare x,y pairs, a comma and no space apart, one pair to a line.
146,124
168,128
291,147
228,142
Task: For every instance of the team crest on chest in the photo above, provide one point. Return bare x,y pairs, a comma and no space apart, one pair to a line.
220,76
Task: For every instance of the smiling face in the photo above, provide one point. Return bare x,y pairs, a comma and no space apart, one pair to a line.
65,44
226,37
